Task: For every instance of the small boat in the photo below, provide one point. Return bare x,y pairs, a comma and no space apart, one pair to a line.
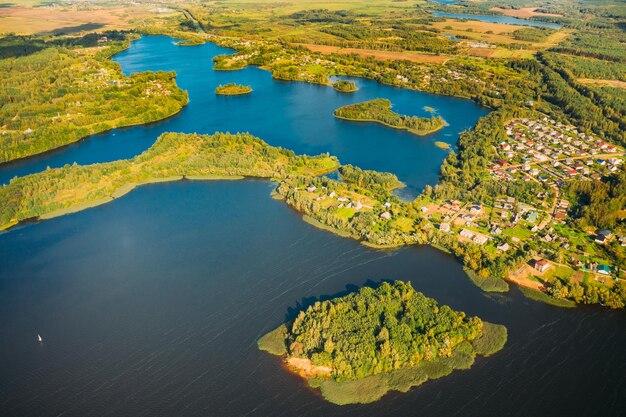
39,339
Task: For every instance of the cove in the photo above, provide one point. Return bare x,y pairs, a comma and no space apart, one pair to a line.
498,19
152,305
294,115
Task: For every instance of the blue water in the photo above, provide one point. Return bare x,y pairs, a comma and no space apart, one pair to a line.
498,19
152,305
294,115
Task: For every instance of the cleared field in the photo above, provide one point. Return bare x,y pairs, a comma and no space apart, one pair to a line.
523,13
381,55
56,19
604,83
501,52
497,34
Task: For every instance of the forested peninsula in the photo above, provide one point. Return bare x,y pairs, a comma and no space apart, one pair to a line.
358,347
379,111
174,156
58,93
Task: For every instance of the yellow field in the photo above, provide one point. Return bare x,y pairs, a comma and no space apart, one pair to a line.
523,13
603,83
497,34
73,19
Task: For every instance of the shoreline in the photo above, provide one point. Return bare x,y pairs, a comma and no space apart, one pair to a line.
233,94
118,193
121,126
372,388
21,159
413,131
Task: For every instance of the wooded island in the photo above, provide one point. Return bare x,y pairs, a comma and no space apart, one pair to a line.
358,347
379,111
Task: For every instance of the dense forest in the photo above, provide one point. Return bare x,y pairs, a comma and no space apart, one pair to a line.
369,179
379,110
598,203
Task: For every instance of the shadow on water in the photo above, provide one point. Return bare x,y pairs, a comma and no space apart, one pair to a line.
306,302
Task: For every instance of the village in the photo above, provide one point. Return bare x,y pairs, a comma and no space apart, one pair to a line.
552,153
549,151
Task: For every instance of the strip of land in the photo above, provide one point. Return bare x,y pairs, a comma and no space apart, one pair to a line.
603,83
173,157
380,55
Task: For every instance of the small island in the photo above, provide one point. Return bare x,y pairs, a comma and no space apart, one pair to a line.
358,347
379,111
232,89
345,86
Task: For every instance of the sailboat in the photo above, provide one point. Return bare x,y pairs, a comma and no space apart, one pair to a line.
39,339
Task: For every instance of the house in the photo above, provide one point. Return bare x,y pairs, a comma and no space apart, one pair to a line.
466,233
480,239
476,209
311,189
503,247
541,265
386,215
603,236
444,227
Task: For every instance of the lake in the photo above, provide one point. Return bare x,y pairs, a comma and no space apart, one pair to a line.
151,305
498,19
294,115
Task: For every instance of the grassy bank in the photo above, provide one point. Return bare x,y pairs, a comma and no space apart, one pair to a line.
488,284
545,298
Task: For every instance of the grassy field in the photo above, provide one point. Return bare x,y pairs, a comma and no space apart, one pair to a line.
523,12
23,18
